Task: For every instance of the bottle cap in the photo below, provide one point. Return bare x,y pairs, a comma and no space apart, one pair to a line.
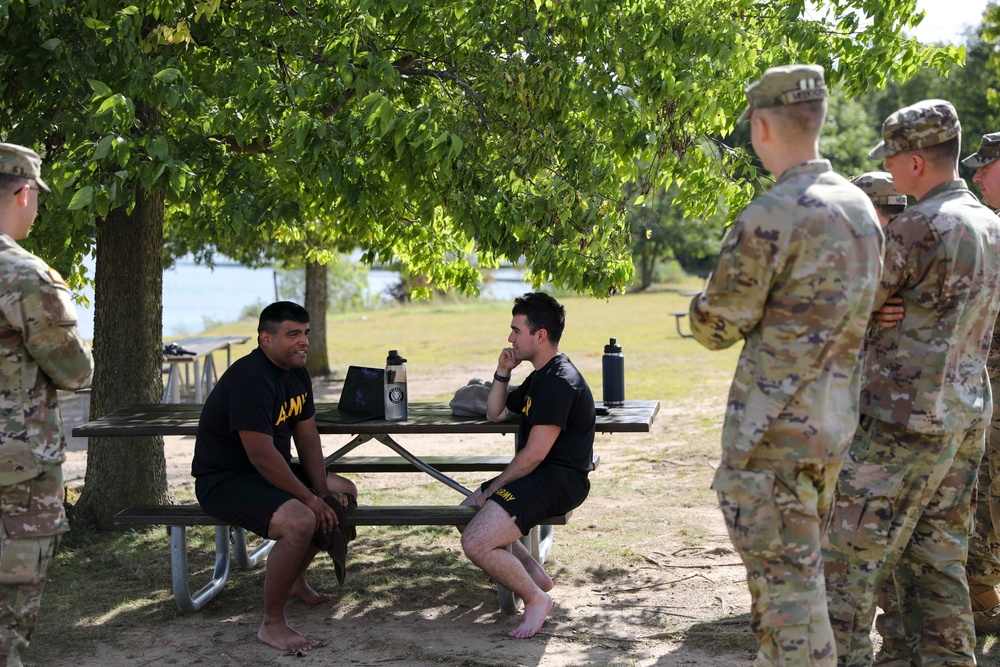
613,347
394,359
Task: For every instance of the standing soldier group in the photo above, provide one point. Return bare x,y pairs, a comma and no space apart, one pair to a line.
857,418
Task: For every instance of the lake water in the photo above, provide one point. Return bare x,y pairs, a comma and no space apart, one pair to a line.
195,296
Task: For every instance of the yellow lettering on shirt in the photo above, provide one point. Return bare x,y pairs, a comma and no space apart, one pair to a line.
505,494
291,408
527,406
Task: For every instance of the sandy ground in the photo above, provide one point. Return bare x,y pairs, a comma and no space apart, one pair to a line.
682,592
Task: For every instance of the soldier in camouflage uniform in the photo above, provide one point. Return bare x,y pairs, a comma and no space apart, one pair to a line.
795,280
982,569
903,498
888,204
40,351
882,192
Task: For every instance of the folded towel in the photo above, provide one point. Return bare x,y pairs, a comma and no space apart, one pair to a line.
335,542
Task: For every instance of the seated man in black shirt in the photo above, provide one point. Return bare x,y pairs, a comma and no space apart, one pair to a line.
243,470
548,475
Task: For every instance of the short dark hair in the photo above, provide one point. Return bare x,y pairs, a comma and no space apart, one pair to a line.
944,154
281,311
542,312
9,183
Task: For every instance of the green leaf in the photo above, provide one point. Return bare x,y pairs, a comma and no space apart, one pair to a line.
108,104
158,148
101,89
51,44
94,24
82,198
103,147
168,75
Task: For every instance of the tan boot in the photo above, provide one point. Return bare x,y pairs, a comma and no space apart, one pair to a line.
985,608
983,597
894,653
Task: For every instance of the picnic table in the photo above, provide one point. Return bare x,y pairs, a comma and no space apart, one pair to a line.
190,351
424,418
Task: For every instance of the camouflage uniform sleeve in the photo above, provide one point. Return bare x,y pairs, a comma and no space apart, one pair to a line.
911,251
733,302
46,320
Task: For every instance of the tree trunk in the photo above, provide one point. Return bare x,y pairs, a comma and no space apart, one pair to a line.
318,360
648,266
128,356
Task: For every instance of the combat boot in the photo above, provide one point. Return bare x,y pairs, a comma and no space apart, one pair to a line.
894,653
985,608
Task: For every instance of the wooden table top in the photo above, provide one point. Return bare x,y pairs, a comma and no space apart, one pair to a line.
182,419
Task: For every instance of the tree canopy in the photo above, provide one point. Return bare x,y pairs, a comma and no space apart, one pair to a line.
420,131
425,130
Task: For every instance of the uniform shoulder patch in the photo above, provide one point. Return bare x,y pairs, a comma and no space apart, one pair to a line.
56,277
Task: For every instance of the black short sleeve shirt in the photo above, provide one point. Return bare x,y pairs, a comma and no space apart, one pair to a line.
252,395
557,395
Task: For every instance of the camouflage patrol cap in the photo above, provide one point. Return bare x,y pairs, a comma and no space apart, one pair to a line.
788,84
20,161
988,153
926,123
880,189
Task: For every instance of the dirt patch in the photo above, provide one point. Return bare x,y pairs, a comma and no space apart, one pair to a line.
644,576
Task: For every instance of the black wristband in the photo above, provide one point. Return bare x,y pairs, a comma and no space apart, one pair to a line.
500,378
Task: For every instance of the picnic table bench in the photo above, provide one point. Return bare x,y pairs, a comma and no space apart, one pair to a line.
424,418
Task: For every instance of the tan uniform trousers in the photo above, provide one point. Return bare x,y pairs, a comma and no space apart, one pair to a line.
33,519
775,511
903,505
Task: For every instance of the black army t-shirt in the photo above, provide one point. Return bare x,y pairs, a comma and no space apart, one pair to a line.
557,395
252,395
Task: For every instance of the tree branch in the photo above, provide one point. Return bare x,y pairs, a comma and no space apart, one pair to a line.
448,75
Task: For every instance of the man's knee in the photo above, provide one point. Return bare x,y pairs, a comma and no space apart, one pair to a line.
490,529
292,518
339,484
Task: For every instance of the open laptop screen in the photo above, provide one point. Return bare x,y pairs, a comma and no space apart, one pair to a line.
361,398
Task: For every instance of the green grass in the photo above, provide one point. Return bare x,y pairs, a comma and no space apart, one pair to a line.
659,364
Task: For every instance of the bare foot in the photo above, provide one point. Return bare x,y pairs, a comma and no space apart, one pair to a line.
284,638
305,592
534,616
538,575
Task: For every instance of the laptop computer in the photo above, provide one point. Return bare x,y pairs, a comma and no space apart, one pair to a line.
361,398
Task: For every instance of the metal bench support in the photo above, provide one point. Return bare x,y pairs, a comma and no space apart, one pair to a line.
189,603
179,569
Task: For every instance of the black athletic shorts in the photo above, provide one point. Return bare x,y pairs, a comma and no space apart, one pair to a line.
546,492
243,498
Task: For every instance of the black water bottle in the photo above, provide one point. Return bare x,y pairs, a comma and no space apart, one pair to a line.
613,365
